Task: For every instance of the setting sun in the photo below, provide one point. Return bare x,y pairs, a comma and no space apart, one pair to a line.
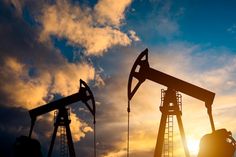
193,146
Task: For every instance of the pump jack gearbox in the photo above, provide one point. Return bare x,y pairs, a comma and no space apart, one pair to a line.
219,143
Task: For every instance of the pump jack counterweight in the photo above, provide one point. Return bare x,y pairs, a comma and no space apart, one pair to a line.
62,119
171,106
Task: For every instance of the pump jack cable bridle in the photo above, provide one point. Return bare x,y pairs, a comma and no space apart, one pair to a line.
94,136
128,110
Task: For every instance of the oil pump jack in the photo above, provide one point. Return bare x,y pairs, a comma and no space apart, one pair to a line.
171,105
62,118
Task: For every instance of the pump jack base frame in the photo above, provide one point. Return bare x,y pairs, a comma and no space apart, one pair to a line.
170,107
62,120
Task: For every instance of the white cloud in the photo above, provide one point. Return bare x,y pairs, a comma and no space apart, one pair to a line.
133,35
232,29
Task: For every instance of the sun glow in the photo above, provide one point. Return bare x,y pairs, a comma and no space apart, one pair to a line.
193,146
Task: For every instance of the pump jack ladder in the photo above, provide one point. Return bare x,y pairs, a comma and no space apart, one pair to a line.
142,71
85,95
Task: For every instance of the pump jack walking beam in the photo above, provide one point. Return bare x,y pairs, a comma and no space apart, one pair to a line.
141,71
85,95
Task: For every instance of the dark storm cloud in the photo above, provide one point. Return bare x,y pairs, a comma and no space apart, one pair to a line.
19,39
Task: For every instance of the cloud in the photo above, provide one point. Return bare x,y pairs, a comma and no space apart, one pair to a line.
213,71
79,25
18,5
32,73
232,29
111,12
78,127
133,35
29,67
167,20
23,90
167,27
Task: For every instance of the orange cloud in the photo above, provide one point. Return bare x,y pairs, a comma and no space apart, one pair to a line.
78,127
111,12
21,91
79,25
66,77
28,92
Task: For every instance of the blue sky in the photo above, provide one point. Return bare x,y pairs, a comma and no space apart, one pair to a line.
200,22
46,47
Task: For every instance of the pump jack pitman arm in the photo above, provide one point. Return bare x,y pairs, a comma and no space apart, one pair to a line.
141,71
84,95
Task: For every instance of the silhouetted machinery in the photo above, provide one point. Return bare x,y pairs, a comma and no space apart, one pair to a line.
62,119
171,105
26,147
